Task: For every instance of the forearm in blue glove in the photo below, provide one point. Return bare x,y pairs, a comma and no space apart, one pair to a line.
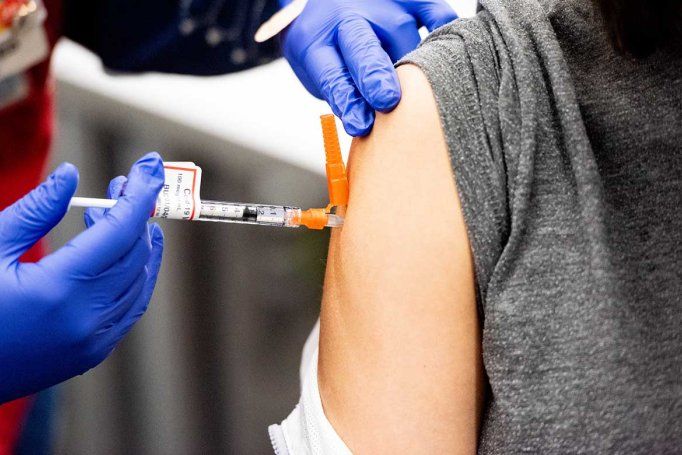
343,51
63,315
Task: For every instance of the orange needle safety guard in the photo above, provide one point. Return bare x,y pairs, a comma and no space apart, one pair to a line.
337,180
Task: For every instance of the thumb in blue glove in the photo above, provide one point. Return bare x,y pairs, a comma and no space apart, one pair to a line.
343,52
63,315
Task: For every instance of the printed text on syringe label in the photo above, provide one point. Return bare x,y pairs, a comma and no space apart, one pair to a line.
179,198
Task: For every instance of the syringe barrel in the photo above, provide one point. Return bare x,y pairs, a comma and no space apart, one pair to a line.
262,214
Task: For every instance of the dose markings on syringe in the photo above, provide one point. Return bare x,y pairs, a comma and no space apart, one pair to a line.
234,212
271,215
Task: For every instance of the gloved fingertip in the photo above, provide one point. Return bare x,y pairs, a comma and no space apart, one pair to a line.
357,130
389,99
66,170
65,178
358,122
151,157
150,167
116,187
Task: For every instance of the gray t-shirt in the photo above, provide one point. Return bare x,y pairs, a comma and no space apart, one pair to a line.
568,162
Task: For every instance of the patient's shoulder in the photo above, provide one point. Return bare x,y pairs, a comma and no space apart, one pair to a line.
399,300
412,126
401,182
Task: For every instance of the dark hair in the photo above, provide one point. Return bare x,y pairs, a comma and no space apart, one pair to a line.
639,27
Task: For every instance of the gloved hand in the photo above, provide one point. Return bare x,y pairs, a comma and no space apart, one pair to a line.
342,51
63,315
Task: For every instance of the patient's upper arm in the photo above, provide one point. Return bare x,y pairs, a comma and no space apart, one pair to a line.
400,363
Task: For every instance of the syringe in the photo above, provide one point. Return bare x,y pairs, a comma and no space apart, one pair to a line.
234,212
180,196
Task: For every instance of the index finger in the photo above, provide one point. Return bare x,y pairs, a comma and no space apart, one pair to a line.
368,64
326,66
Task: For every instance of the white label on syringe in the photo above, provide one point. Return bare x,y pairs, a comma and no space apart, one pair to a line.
180,198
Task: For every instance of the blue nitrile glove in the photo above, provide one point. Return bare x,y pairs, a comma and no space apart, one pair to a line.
63,315
342,51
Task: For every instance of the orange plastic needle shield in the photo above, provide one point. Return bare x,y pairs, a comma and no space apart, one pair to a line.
337,181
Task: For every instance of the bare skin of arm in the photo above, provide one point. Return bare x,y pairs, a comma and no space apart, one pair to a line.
400,353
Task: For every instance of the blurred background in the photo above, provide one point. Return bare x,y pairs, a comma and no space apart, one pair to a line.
215,359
